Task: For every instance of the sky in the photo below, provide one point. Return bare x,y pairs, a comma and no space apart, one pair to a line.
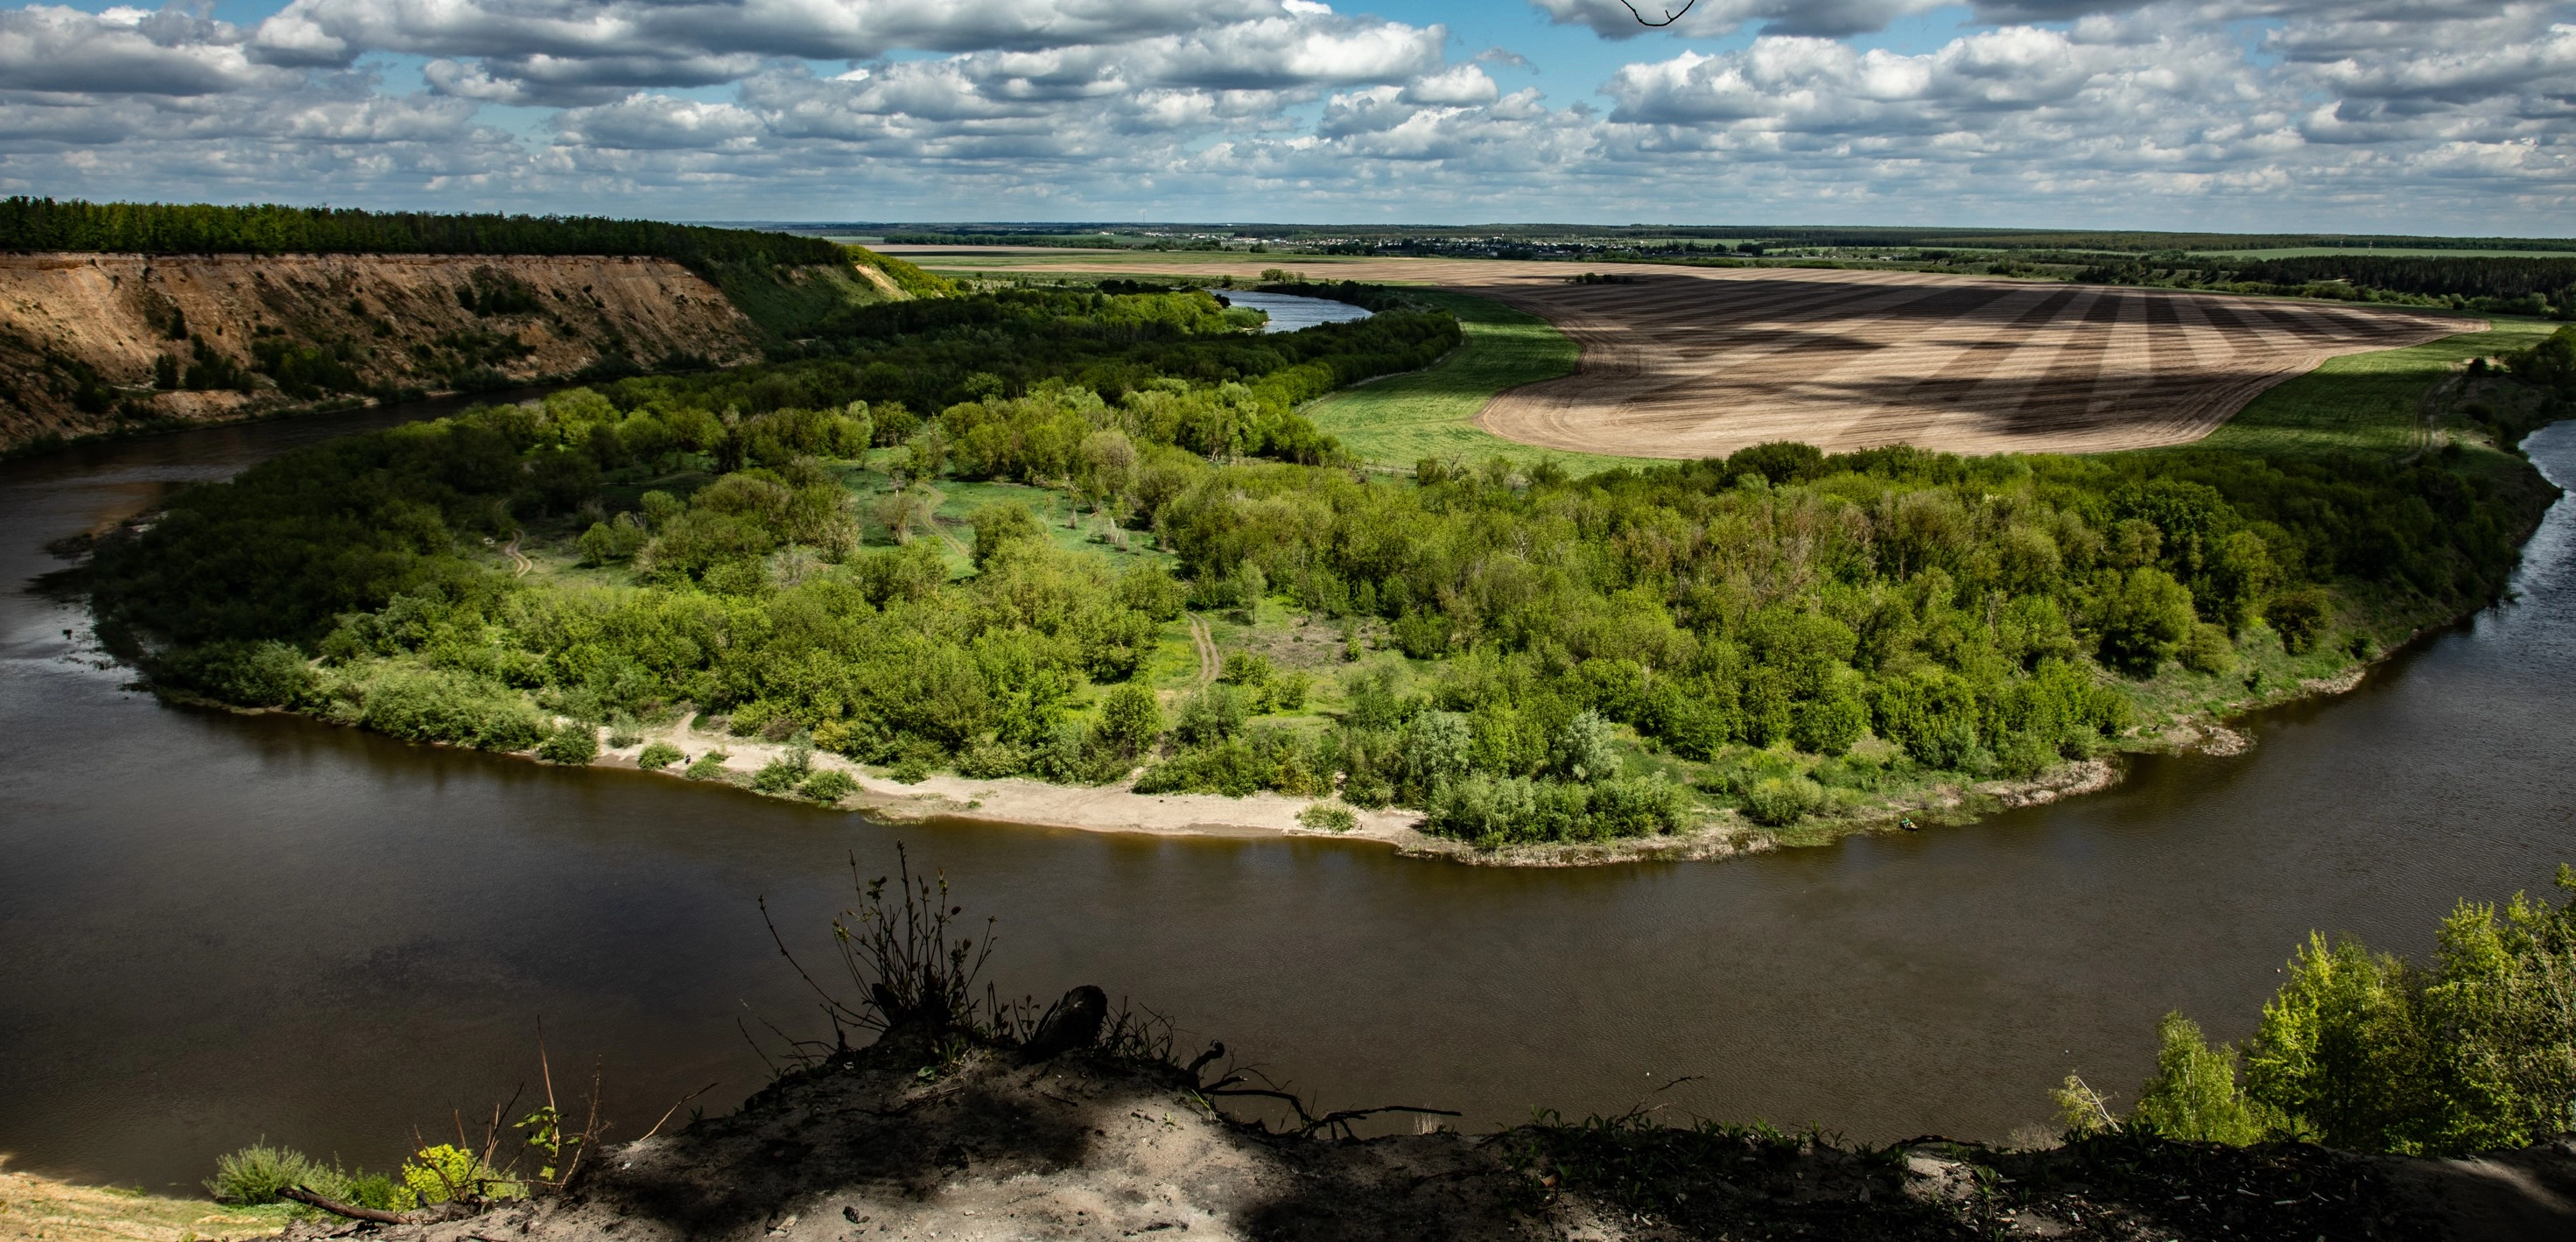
2413,116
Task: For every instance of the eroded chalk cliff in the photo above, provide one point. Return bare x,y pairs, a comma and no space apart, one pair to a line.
90,343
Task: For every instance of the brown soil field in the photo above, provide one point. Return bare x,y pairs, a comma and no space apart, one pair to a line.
1698,362
1698,366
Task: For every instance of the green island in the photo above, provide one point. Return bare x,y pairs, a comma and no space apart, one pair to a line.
1094,536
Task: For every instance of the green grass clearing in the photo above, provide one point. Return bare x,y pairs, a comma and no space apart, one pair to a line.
2362,403
1402,419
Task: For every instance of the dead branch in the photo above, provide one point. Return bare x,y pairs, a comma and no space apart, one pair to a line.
1341,1119
1670,15
666,1116
337,1208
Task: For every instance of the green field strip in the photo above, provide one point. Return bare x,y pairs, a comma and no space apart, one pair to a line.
1402,419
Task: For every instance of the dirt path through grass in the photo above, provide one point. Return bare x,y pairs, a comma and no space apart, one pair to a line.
930,517
1210,664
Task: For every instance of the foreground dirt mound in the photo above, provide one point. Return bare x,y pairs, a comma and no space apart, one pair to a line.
80,334
911,1140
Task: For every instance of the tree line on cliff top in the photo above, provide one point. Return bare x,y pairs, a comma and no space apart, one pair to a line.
42,224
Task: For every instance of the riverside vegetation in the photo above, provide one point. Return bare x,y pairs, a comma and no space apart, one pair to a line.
1527,656
2368,1052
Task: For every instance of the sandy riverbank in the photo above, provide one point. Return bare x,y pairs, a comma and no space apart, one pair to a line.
1118,807
40,1207
1023,802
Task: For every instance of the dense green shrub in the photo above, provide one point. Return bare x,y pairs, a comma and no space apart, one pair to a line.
2209,650
1265,758
2193,1094
253,1175
1129,720
707,767
1783,800
828,786
1211,715
1326,817
1517,810
2144,620
784,773
444,1172
2300,617
1585,750
573,743
443,705
245,674
658,756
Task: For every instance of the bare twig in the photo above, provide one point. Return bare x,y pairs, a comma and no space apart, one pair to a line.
666,1116
1670,15
337,1208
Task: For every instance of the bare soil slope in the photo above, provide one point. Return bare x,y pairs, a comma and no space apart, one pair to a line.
913,1139
400,319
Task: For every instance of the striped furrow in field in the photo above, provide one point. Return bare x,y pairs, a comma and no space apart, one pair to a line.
1687,363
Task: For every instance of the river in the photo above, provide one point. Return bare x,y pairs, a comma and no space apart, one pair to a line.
218,928
1289,312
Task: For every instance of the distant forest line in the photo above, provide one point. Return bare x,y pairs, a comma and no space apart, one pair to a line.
44,224
1088,233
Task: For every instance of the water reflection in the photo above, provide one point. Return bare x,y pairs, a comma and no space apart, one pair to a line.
1289,312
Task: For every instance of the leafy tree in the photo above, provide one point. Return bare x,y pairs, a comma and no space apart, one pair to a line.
2193,1094
1586,749
999,525
2144,619
1130,720
2299,616
2365,1052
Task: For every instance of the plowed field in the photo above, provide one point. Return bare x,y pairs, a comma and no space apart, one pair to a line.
1696,366
1695,362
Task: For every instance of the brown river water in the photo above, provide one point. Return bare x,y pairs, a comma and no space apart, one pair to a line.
217,928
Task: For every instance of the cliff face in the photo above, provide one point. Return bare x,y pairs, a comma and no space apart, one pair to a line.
92,342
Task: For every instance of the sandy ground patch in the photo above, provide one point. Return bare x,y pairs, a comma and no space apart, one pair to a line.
40,1207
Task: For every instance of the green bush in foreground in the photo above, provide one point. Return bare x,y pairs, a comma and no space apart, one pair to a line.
658,756
784,773
443,1172
574,744
1326,817
708,767
255,1175
2193,1095
828,786
2369,1053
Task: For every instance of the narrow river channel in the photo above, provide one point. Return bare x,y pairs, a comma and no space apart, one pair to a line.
217,928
